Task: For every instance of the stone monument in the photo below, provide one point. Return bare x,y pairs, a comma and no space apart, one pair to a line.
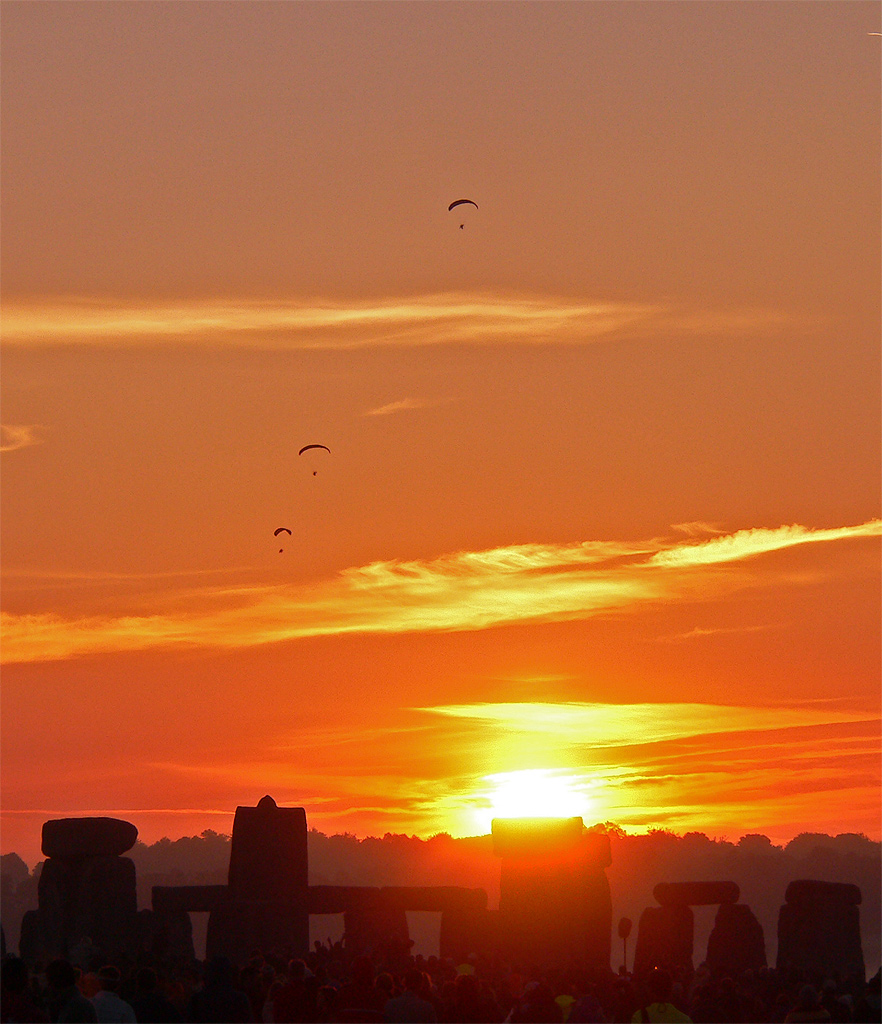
665,936
819,927
554,898
87,899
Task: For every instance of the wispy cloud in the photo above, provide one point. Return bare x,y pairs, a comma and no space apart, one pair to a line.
404,405
698,529
619,725
317,324
699,632
461,591
746,543
23,436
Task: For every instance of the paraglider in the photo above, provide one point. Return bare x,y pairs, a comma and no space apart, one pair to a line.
460,202
282,529
311,447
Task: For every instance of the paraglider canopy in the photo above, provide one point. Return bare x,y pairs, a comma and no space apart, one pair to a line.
312,460
282,529
461,202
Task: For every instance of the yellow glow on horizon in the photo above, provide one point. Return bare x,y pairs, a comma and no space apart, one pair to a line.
534,793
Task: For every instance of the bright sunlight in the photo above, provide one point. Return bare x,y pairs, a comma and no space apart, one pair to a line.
534,793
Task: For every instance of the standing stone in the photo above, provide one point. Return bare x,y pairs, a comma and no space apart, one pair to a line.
32,945
736,943
107,904
87,896
819,927
267,895
665,938
268,857
554,899
666,934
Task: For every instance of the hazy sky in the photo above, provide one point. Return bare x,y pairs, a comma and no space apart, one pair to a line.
599,529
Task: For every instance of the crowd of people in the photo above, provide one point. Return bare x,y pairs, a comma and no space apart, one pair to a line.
330,985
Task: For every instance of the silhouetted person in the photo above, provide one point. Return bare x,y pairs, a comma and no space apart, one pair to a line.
410,1007
725,1004
108,1005
587,1008
67,1005
151,1006
16,1003
661,1008
218,1002
537,1006
360,1000
251,983
290,1003
808,1009
472,1003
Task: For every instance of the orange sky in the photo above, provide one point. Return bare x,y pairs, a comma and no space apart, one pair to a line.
600,523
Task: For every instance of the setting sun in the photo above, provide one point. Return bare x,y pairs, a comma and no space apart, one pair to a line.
535,793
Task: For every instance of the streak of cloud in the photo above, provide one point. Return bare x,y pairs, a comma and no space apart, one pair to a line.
13,437
463,591
697,529
621,725
746,543
403,405
699,632
315,324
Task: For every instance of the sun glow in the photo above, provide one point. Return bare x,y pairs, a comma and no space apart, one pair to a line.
535,793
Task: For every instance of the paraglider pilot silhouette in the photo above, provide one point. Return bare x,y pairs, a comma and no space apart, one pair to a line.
282,529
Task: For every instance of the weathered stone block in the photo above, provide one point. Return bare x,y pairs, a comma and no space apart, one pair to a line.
435,898
376,924
239,928
268,857
696,894
188,898
88,898
337,899
106,905
597,849
535,837
164,934
808,890
32,945
665,938
464,932
555,907
88,837
736,943
823,935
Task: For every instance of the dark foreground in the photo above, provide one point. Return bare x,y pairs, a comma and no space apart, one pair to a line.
329,985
